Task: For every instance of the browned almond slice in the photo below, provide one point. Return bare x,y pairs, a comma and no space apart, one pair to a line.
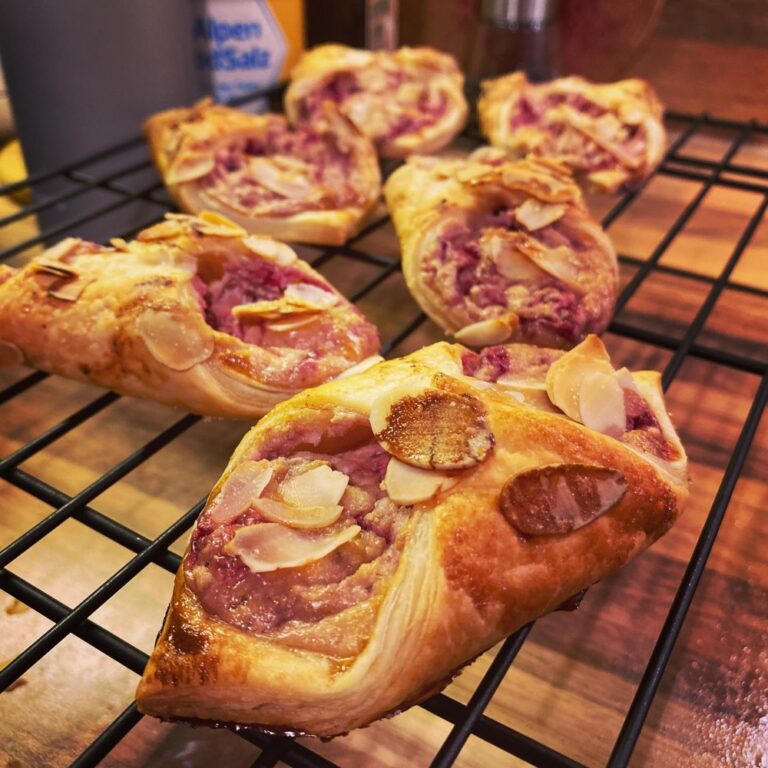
495,330
277,309
189,168
119,244
70,290
270,546
293,323
405,484
270,249
433,428
560,498
310,295
626,379
298,517
521,381
162,231
244,484
363,365
60,250
565,375
219,220
319,486
534,215
557,262
601,404
288,184
176,342
500,246
10,354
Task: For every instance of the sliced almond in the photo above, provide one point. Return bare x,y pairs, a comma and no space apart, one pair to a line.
271,249
319,486
270,546
188,168
522,381
293,323
54,268
243,486
626,379
553,261
534,214
560,498
119,244
565,375
363,365
10,354
601,404
495,330
432,429
176,342
276,309
298,517
70,290
162,231
287,184
500,247
60,250
311,295
405,484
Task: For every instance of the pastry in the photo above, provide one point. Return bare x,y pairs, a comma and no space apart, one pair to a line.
406,101
312,184
612,135
373,535
194,313
497,250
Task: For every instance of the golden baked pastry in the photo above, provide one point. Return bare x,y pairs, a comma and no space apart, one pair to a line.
373,535
612,134
312,184
406,101
194,313
497,250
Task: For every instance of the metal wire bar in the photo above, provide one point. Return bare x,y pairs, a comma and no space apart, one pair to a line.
492,679
105,742
649,684
746,170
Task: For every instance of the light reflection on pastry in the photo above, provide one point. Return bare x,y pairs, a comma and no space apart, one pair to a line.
497,250
407,101
313,183
373,535
610,134
194,313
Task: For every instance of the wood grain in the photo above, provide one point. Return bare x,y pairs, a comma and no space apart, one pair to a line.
577,673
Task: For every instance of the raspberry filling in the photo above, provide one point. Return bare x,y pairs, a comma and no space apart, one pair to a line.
343,586
282,171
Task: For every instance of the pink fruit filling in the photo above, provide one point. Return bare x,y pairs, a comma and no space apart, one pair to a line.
277,602
468,280
581,152
313,170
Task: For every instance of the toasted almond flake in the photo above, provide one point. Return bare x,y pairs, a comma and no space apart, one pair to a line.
553,261
276,309
311,295
269,547
219,220
60,250
70,290
287,184
162,231
626,380
285,326
363,365
565,375
433,428
243,486
560,498
271,249
10,354
119,244
54,268
405,484
472,172
520,381
176,342
500,246
534,214
188,168
601,404
319,486
608,179
486,332
308,517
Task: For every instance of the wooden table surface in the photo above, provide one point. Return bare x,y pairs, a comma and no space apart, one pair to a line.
575,676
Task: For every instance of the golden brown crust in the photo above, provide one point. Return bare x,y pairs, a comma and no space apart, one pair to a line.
130,318
626,107
376,104
184,143
432,200
465,579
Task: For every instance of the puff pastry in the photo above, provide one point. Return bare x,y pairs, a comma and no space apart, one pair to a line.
406,101
313,183
373,535
497,250
610,134
194,313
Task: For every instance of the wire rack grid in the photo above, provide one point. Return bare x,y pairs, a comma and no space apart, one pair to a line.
466,719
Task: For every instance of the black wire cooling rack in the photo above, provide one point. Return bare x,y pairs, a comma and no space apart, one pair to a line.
119,181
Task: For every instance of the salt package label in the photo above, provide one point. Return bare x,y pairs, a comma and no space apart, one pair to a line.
240,46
